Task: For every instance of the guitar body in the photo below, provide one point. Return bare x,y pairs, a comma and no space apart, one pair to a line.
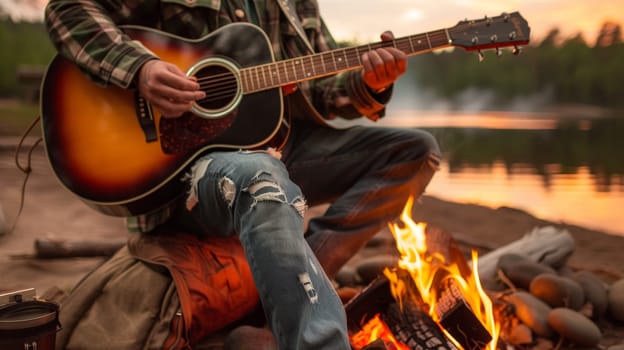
98,149
106,146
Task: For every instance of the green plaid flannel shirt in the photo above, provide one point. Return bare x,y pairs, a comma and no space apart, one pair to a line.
87,32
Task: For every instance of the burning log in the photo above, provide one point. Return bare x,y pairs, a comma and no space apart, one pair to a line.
409,325
457,318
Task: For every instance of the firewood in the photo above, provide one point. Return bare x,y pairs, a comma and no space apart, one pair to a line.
47,248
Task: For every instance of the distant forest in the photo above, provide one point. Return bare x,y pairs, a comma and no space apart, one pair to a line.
569,70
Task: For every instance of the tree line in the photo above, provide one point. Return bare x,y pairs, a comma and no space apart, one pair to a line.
569,71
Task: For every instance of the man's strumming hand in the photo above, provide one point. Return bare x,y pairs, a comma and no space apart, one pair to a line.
167,88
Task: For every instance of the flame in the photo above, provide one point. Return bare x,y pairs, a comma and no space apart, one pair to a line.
423,267
375,329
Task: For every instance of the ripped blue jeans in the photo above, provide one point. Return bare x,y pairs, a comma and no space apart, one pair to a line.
366,173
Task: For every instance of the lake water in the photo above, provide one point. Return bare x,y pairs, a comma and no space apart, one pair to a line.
558,169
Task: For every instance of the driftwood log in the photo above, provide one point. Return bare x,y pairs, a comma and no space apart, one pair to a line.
47,248
547,245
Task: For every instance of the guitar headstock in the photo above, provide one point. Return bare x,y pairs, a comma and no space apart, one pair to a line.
508,29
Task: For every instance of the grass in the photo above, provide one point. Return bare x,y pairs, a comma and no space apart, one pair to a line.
16,116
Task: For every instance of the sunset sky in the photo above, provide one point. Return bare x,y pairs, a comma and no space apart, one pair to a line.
363,20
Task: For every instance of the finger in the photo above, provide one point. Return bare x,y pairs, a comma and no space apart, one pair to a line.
400,59
176,94
171,108
387,36
395,62
388,64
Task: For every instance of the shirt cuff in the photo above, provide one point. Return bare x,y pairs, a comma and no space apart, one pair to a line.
368,103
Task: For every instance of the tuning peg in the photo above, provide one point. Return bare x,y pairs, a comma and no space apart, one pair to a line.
517,50
481,56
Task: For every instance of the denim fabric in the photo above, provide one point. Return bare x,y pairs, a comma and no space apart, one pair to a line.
367,173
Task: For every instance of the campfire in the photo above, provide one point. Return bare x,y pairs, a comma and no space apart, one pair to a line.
432,299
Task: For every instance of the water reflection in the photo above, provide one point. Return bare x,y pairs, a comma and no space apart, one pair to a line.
568,170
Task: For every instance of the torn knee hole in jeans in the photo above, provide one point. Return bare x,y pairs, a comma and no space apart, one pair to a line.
267,190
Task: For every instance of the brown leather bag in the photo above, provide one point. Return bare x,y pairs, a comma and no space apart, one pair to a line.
212,278
165,291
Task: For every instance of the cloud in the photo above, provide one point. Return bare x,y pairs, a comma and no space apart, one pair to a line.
29,10
365,19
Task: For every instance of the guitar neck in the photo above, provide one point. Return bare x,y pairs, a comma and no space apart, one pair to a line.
281,73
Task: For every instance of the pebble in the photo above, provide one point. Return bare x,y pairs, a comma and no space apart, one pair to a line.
532,312
575,327
372,267
4,227
347,276
520,334
250,338
379,240
596,292
521,270
558,291
616,300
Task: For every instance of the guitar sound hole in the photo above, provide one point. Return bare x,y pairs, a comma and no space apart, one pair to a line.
220,85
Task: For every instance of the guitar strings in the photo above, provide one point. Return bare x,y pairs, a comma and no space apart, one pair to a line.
225,84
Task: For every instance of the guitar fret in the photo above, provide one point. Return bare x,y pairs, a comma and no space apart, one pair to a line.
274,74
248,80
294,71
264,80
311,67
299,69
257,76
285,73
322,63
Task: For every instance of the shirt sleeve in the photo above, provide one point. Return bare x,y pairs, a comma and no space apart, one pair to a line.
345,94
84,31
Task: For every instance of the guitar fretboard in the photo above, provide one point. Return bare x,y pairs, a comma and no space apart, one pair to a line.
276,74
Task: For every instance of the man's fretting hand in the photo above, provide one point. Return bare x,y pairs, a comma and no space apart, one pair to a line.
167,88
384,65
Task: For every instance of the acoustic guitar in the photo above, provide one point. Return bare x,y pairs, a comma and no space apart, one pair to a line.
108,147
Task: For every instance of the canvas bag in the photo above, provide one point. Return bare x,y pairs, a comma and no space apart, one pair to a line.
164,291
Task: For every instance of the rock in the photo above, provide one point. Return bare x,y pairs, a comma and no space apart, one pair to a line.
250,338
379,240
520,270
4,227
543,344
575,327
557,291
596,292
347,276
520,334
532,312
370,268
616,300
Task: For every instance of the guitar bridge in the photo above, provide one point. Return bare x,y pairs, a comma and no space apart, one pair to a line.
145,116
